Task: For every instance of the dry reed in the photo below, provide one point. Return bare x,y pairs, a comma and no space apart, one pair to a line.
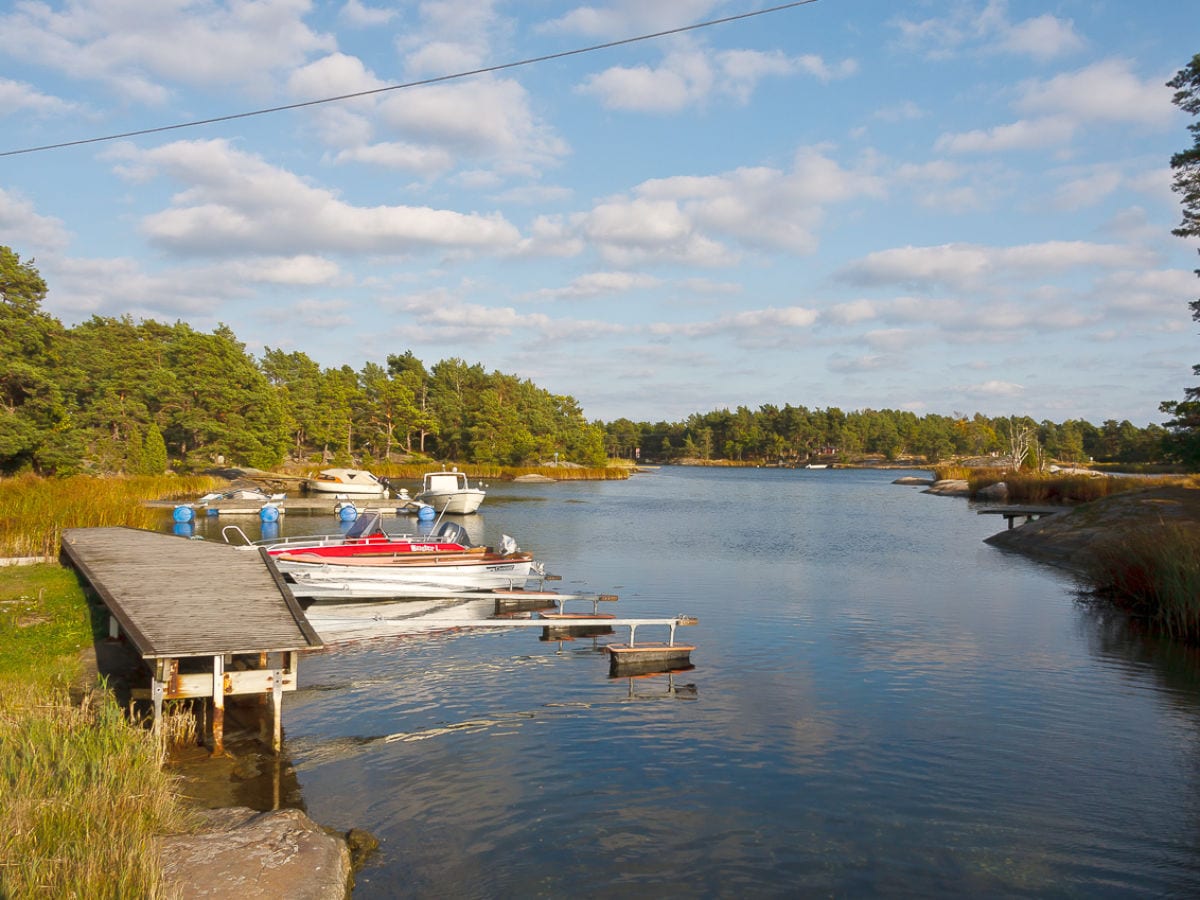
34,510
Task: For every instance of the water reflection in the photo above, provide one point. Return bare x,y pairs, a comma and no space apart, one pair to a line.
880,704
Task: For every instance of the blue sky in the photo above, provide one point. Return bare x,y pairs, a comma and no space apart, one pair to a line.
946,207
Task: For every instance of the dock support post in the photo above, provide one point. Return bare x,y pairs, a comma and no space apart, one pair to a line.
157,684
277,709
218,700
114,627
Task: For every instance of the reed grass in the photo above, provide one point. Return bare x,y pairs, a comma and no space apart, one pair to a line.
82,790
953,472
1153,573
34,510
410,471
82,797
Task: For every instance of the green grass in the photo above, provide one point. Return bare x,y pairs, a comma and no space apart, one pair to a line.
82,790
44,624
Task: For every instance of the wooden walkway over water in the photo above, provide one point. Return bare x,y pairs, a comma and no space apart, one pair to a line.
210,620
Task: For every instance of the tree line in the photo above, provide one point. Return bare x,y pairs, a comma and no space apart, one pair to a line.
795,435
115,395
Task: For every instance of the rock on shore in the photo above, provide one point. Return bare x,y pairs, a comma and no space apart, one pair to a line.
257,856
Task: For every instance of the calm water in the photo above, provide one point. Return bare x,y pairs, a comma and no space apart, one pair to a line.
880,704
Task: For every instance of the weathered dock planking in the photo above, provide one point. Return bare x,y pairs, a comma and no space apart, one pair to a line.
176,599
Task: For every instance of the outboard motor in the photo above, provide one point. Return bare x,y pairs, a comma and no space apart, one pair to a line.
453,533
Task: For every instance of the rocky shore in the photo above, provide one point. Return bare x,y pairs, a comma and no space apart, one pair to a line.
1071,539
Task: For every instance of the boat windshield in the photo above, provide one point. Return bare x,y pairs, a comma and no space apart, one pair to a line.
365,526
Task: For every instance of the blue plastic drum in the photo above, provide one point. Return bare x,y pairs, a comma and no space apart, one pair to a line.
184,514
269,514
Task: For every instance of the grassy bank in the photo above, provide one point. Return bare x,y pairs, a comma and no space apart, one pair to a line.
1039,488
82,791
1154,574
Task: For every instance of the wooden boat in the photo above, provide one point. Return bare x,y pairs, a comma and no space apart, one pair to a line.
450,492
348,482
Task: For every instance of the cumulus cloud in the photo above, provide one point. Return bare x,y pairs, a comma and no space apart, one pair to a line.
138,50
17,96
1104,93
968,265
689,76
987,28
995,388
697,218
234,202
753,327
596,284
21,226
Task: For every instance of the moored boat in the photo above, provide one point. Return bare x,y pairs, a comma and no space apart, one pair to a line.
450,492
348,482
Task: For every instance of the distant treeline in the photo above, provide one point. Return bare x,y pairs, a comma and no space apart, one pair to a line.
796,435
115,395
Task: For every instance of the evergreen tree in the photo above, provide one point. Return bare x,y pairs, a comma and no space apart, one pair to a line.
1185,421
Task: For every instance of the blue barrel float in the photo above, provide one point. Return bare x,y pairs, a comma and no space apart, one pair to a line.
184,513
347,512
269,513
426,512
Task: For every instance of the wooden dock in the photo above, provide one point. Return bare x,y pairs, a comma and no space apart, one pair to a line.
208,619
1028,513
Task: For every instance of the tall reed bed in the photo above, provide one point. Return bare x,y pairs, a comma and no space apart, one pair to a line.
82,796
1153,573
34,510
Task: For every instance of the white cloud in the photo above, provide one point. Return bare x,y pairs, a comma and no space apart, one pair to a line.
1087,190
23,228
359,15
995,388
17,96
689,76
987,29
1042,37
755,327
138,49
969,265
234,203
1104,93
628,18
596,284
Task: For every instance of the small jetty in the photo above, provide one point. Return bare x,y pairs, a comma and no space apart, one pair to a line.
1027,513
209,620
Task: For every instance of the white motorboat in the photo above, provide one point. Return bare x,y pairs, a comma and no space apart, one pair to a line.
450,492
348,482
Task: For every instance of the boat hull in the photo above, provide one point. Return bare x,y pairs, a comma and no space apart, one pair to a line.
455,503
351,490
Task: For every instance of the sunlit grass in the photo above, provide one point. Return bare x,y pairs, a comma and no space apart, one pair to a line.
34,510
82,797
1032,487
82,790
397,472
1153,573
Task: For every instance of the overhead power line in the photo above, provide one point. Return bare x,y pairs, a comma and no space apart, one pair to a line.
411,84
